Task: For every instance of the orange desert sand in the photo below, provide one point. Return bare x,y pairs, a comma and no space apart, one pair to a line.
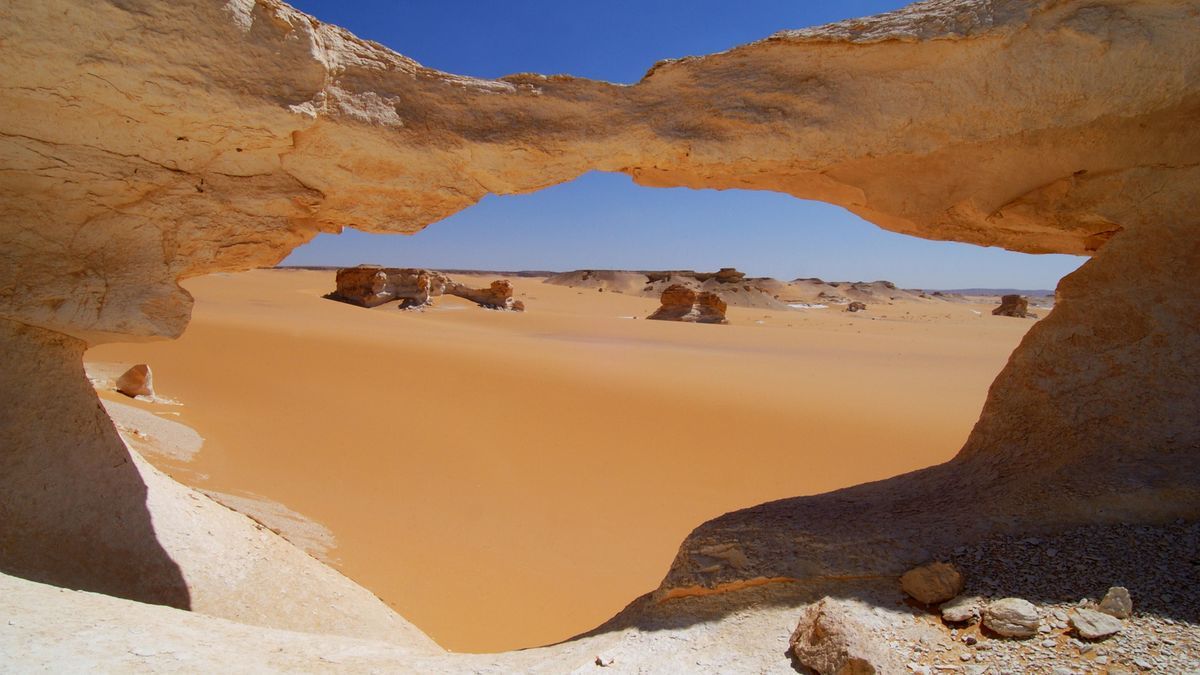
510,479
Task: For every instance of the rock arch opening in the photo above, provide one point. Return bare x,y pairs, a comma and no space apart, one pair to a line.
548,465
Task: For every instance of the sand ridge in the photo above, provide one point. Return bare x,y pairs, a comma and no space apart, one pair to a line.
547,465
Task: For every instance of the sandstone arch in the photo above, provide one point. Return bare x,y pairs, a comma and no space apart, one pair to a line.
223,135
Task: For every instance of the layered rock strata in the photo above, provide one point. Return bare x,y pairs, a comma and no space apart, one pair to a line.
147,142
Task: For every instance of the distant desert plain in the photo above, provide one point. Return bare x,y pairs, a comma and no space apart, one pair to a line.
510,479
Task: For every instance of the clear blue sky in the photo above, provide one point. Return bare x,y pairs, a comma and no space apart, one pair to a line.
604,220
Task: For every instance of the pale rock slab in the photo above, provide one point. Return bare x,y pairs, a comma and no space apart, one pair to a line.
1094,625
1012,617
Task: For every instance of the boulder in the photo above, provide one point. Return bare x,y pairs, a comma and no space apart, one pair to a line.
137,381
1116,602
962,609
1012,617
933,583
1012,305
831,640
1094,625
856,306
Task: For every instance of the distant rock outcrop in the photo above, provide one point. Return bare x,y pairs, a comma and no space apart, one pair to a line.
373,285
680,303
1012,305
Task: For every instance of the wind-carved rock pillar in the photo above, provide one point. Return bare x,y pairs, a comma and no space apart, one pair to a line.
72,504
1100,401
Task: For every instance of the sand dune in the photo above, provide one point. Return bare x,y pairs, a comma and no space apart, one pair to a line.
506,479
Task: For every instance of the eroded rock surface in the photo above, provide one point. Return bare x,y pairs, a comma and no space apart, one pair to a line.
147,142
372,285
680,303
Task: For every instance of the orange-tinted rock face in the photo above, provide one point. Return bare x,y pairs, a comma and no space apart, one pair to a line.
365,285
680,303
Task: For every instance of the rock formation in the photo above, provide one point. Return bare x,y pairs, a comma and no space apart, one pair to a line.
499,295
372,285
680,303
148,142
137,381
1012,305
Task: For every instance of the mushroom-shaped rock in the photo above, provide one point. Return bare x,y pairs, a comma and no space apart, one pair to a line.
933,583
1117,603
1012,305
1012,617
137,381
1094,625
832,639
676,302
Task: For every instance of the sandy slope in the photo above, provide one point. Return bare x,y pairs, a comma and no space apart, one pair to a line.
505,479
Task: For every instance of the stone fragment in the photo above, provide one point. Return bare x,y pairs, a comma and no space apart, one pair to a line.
831,641
932,583
1094,625
137,381
962,609
1012,305
1116,602
1012,617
